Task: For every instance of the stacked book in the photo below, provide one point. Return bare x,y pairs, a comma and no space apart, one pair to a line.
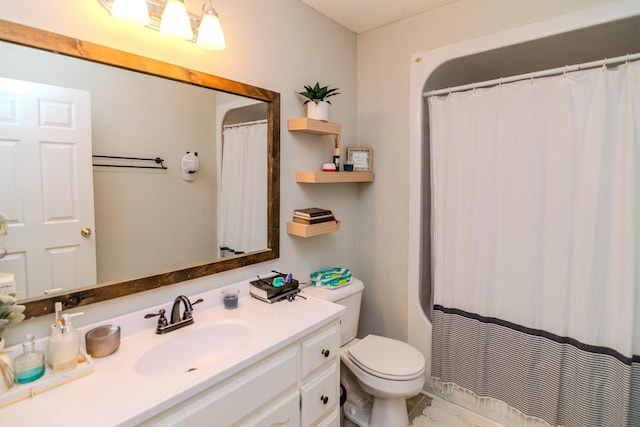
273,289
312,216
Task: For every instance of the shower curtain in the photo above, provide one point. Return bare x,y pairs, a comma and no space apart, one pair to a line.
242,224
536,246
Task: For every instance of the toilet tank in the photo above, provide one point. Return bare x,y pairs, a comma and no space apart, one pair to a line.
349,296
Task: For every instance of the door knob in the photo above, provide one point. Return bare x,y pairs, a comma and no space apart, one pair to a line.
85,232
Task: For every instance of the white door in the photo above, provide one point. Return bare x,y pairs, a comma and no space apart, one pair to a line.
46,187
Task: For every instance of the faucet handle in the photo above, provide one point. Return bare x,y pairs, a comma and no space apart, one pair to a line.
162,320
188,312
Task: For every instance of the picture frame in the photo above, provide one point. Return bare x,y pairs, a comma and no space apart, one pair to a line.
361,158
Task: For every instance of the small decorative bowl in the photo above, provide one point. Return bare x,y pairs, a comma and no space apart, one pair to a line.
103,340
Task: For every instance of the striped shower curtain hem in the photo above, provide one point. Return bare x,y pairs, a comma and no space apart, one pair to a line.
537,373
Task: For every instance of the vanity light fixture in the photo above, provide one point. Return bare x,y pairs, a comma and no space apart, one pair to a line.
175,21
171,17
132,12
210,34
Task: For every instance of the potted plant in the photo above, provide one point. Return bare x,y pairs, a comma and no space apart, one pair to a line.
10,310
10,314
317,102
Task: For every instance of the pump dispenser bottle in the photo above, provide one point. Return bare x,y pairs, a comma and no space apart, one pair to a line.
64,345
29,366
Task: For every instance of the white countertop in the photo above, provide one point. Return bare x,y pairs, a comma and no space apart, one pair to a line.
118,394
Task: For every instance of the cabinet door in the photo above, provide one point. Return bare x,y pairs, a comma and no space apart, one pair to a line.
319,349
284,413
320,395
227,403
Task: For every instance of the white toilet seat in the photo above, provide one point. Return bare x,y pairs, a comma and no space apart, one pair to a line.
387,358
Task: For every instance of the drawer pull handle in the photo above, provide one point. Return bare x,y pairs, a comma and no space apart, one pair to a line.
325,353
324,399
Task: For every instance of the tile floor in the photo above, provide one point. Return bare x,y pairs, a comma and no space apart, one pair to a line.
415,406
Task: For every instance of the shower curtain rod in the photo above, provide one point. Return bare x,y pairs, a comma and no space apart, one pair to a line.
235,125
535,74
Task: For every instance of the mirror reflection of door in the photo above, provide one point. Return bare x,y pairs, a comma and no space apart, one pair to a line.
46,187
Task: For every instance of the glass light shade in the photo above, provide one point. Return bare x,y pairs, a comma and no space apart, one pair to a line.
210,34
175,21
132,12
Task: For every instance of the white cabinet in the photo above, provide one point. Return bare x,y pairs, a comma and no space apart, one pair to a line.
284,413
319,371
319,349
331,420
227,403
320,395
296,386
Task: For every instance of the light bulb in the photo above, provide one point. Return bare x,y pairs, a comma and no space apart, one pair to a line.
132,12
175,21
210,34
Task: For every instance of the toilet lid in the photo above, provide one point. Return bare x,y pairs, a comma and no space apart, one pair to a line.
387,358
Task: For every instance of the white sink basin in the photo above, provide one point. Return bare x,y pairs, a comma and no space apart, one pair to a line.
188,349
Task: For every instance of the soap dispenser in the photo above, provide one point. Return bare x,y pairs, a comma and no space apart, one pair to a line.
29,366
64,345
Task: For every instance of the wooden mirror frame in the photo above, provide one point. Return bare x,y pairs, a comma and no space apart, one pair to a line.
56,43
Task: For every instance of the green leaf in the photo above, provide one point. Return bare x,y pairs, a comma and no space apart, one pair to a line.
318,93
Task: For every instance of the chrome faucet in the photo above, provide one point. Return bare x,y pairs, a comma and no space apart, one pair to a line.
177,321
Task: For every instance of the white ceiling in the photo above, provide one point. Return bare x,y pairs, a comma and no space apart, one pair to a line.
364,15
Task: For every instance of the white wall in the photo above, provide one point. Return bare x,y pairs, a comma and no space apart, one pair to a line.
281,45
383,123
277,44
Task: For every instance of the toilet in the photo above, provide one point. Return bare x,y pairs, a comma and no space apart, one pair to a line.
378,373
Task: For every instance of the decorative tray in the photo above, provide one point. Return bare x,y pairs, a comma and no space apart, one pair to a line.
47,382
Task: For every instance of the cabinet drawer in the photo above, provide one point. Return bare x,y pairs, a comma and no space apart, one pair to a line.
331,420
319,349
320,395
283,413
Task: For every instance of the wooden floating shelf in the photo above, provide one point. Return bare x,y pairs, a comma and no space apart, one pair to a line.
312,177
304,230
318,127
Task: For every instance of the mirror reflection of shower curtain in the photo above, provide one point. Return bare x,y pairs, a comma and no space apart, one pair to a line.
242,212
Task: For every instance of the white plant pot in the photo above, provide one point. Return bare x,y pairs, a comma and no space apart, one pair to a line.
319,111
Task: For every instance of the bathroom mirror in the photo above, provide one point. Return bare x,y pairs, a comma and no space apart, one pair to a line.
226,95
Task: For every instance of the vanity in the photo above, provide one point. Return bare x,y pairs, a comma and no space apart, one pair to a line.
258,365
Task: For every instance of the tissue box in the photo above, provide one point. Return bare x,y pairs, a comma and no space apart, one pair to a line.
7,283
